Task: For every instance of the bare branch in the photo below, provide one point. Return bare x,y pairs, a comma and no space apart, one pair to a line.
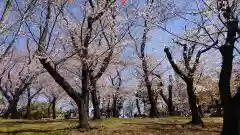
192,70
174,65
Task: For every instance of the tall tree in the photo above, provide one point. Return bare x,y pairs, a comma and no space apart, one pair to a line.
188,74
230,104
91,14
153,14
223,21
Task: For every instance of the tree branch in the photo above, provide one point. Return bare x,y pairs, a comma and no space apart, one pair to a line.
174,65
193,69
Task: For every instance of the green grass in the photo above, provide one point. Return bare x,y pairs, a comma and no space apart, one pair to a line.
113,126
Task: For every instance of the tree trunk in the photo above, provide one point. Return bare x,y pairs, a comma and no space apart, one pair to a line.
29,109
6,113
95,101
114,108
138,107
29,105
200,110
83,118
230,105
54,108
153,110
230,123
87,105
49,110
108,111
196,119
170,103
12,110
144,107
218,108
84,99
153,103
77,97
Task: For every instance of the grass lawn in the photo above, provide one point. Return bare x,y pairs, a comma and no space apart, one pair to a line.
134,126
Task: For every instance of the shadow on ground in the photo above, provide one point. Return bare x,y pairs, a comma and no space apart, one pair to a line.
17,122
35,131
209,128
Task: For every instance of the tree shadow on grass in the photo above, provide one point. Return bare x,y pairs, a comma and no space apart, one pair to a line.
36,130
17,122
181,127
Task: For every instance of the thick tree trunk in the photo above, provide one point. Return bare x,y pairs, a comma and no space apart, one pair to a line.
231,125
138,107
83,118
95,101
230,118
196,119
114,109
71,92
153,110
12,111
84,99
153,102
54,108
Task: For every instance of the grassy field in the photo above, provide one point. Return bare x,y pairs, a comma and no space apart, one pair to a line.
137,126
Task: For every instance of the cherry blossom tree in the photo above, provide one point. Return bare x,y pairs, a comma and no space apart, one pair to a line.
150,15
30,95
218,21
116,82
16,77
78,46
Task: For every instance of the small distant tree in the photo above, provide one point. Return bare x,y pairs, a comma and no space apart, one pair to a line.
30,96
117,105
129,108
53,93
